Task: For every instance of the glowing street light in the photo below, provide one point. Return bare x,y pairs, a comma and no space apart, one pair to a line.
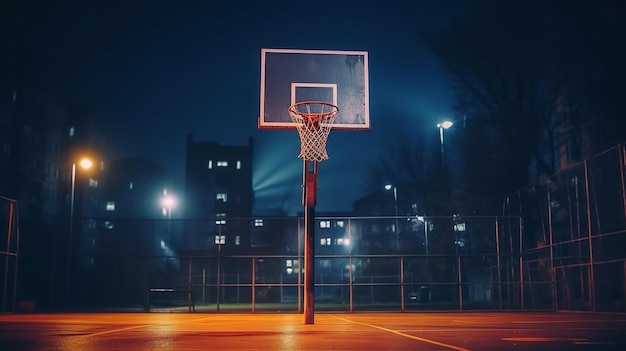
443,125
167,203
84,163
395,203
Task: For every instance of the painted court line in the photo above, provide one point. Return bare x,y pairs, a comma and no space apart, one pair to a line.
433,342
135,327
536,321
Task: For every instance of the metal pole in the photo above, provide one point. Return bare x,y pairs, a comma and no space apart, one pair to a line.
351,289
6,264
622,161
428,271
498,264
15,215
521,263
219,254
402,283
310,184
395,202
253,277
300,267
69,241
552,269
189,279
443,159
592,296
459,278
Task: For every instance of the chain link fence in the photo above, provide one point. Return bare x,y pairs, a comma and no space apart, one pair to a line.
382,263
575,234
558,246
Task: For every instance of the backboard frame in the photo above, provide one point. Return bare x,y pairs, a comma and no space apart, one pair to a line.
309,71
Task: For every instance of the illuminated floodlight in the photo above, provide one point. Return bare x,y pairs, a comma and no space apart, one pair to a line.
85,163
445,124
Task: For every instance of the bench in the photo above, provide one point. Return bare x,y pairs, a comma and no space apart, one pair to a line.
191,303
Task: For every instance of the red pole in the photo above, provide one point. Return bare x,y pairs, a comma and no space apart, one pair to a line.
308,199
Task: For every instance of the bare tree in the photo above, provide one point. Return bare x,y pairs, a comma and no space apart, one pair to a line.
516,70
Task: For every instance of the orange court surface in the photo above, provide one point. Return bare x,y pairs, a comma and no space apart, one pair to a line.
331,331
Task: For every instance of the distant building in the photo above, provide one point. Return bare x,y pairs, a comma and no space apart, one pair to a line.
40,139
218,196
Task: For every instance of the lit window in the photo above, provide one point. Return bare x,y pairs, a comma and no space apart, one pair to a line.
130,185
110,206
324,224
340,224
238,164
210,165
220,222
222,196
220,239
258,222
237,240
220,215
108,225
71,132
322,241
93,183
222,163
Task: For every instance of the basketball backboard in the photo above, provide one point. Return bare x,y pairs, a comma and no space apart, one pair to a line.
289,76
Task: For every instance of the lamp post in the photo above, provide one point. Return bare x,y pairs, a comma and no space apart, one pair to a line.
443,125
167,202
395,204
84,163
219,241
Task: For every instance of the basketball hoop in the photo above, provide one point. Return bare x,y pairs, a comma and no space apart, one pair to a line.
313,120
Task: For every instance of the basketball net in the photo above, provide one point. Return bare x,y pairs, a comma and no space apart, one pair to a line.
313,120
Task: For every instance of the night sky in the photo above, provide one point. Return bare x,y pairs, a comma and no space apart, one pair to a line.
159,70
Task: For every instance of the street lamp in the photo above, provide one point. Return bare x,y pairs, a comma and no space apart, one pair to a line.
84,163
395,204
219,241
443,125
167,202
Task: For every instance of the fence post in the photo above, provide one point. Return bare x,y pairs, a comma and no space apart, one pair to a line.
551,243
253,277
499,278
402,283
189,280
622,167
592,297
